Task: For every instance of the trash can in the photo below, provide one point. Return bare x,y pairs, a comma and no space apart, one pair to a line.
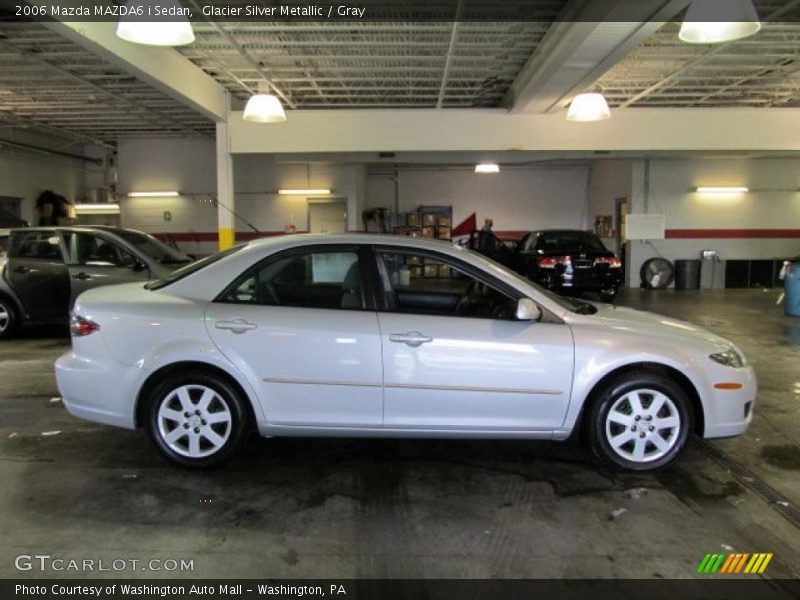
791,287
687,274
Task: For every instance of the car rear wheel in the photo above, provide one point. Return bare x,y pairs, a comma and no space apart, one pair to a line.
640,422
8,318
608,296
197,420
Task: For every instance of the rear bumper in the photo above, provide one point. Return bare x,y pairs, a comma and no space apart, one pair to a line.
555,279
96,391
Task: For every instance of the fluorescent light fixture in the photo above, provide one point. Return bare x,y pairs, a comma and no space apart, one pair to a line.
588,107
264,108
736,189
174,30
153,194
110,208
715,21
304,192
487,168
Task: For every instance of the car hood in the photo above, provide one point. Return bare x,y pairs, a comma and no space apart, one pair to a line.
652,325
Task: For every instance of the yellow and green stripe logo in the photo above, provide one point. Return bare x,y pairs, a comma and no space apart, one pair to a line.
740,562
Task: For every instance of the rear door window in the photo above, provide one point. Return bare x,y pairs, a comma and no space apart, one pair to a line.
36,245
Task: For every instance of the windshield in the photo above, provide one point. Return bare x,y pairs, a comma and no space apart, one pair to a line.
154,248
571,304
192,268
552,241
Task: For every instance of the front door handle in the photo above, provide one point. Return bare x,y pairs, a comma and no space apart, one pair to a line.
412,338
22,270
236,325
82,276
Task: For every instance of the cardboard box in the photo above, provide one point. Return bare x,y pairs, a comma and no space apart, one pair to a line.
443,232
431,270
444,222
412,219
428,220
413,260
416,271
428,232
444,271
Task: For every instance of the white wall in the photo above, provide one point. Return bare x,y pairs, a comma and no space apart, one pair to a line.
188,166
26,174
772,203
517,198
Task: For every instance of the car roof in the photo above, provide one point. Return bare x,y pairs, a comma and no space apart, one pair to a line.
107,228
350,238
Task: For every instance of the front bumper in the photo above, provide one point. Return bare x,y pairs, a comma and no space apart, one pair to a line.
728,412
94,391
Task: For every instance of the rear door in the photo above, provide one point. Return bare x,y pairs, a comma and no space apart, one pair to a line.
37,273
95,260
301,324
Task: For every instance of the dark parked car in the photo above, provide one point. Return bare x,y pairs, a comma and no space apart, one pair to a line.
48,267
569,261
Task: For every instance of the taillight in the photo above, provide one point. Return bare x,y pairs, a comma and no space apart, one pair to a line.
612,261
550,262
80,327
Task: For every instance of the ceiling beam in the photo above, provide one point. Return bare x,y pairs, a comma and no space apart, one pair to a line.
164,69
588,39
633,129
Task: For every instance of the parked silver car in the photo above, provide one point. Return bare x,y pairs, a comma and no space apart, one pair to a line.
47,268
381,336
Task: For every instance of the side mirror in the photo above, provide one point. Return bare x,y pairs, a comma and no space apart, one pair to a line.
528,310
138,265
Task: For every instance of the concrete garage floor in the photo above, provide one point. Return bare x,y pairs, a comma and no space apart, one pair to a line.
457,509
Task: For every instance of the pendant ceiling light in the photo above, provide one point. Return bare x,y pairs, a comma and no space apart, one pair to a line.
588,107
264,108
716,21
173,30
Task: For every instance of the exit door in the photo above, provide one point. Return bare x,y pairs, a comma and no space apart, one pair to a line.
327,216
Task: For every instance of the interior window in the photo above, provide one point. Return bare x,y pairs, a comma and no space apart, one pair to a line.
311,280
91,250
43,245
425,285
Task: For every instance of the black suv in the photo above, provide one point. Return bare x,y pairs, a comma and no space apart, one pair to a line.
48,267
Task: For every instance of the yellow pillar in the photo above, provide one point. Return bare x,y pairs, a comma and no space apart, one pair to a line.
225,217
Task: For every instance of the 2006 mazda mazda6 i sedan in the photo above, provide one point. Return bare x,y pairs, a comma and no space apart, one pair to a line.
384,336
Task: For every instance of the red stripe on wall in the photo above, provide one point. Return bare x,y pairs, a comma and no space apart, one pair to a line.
731,233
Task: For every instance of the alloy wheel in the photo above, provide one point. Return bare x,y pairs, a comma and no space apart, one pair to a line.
643,425
194,421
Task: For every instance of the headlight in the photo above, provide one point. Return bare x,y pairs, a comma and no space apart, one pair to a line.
730,358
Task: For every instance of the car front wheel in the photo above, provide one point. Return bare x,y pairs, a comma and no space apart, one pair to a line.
197,420
640,422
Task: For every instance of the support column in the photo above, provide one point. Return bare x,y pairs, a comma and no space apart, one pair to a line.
225,203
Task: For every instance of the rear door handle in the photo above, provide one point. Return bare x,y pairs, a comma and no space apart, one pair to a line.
412,338
82,276
236,325
22,270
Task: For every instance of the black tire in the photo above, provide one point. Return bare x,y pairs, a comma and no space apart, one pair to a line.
234,431
600,428
9,318
608,297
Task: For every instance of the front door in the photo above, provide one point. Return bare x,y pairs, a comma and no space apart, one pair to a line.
455,358
37,273
327,216
299,323
94,260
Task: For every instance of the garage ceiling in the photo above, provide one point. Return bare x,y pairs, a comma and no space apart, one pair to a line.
46,80
51,82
